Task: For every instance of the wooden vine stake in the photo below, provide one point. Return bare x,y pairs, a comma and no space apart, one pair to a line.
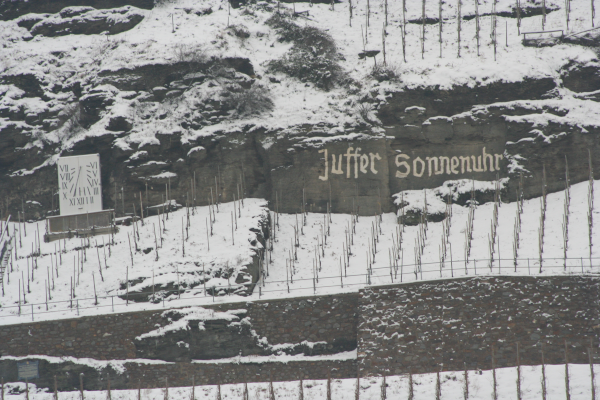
567,385
518,372
438,386
271,390
383,45
495,383
350,12
593,382
440,25
477,24
466,383
328,385
108,391
81,386
544,392
458,24
193,395
423,29
519,16
590,203
357,388
403,32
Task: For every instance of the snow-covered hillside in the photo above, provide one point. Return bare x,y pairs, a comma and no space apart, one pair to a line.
480,386
313,260
184,30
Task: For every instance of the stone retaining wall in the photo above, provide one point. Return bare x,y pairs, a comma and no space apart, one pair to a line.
421,326
330,319
178,374
414,327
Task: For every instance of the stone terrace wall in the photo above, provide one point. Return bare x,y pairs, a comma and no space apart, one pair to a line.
409,327
418,327
330,319
178,374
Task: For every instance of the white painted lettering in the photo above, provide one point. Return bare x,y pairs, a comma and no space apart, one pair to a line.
324,177
364,163
402,164
356,156
415,161
454,163
477,164
348,155
373,157
435,163
445,160
498,157
463,161
338,170
485,158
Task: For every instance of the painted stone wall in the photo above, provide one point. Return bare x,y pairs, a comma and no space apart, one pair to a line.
424,137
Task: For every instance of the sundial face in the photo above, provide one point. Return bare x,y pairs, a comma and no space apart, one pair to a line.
79,184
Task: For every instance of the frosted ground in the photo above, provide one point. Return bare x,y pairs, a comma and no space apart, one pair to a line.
316,265
480,384
167,29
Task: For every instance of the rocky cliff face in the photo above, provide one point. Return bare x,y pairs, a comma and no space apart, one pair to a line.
431,136
159,126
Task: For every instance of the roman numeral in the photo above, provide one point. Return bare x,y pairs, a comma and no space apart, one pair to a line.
65,185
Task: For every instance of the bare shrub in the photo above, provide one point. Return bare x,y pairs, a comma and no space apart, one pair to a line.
162,3
313,57
239,30
247,102
363,109
190,53
389,72
69,118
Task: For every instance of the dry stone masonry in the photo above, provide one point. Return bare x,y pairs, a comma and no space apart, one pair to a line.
416,327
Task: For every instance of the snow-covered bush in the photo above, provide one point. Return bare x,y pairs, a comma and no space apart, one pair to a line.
246,102
383,73
239,30
190,53
313,57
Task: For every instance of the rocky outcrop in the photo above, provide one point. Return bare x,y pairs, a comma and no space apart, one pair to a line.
429,136
10,9
88,21
581,78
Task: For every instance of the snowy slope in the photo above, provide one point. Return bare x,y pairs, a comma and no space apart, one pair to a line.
168,30
316,265
452,386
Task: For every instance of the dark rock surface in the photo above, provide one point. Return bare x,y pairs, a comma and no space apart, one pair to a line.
438,134
27,21
581,79
88,21
11,9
